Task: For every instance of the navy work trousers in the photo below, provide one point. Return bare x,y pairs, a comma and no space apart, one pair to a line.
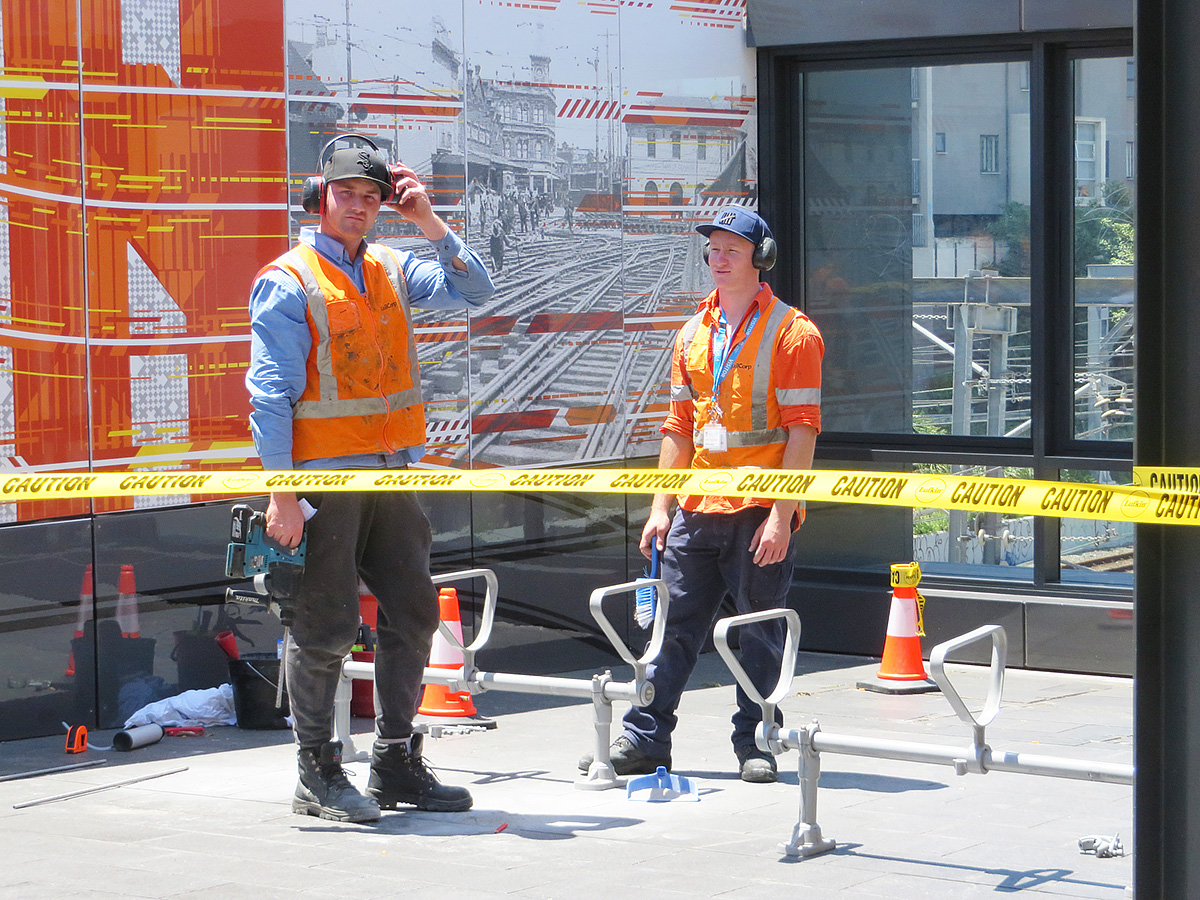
384,538
707,559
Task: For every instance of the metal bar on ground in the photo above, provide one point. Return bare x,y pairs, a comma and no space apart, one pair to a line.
98,788
31,774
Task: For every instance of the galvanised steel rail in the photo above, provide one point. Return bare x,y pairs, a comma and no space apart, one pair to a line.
976,757
601,688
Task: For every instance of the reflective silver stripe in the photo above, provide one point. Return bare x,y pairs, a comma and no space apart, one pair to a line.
362,406
756,438
689,329
681,392
326,383
761,387
329,406
392,266
798,396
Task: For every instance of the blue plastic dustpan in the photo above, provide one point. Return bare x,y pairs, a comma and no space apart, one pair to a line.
661,786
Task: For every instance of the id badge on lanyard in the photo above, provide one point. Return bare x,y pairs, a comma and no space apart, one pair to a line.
714,437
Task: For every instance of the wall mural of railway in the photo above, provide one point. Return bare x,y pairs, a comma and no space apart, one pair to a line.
575,149
154,152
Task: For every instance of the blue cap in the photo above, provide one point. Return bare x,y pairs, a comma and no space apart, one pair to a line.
740,221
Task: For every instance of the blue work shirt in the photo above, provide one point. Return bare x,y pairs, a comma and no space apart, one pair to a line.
280,340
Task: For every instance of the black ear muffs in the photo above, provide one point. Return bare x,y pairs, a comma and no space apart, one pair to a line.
766,252
312,193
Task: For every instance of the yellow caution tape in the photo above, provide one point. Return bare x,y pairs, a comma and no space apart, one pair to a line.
1137,503
1168,478
906,574
909,575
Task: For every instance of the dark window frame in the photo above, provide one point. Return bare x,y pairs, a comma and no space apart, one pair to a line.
1051,445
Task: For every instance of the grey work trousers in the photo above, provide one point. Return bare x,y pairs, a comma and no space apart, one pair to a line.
384,538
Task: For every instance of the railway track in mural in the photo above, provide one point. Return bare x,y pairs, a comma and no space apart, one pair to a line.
553,368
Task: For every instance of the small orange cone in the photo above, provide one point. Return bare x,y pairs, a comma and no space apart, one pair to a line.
902,670
85,612
127,604
438,701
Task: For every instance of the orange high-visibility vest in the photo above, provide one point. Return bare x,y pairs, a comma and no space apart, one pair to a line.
751,393
363,389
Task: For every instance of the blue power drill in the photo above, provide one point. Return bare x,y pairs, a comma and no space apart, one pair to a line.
276,570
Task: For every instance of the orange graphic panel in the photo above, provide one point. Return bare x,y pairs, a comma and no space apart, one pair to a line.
179,197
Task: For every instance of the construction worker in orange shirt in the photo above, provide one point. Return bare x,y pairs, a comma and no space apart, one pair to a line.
745,391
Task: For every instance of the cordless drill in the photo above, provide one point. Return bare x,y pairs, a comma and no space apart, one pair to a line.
276,570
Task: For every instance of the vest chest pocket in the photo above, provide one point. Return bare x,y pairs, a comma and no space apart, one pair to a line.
343,316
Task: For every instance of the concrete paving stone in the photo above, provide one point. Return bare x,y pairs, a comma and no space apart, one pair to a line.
186,871
718,875
903,829
437,892
915,881
112,872
463,868
239,891
43,891
571,889
279,851
916,887
1064,863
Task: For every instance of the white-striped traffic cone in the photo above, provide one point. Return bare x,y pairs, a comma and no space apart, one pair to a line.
439,702
86,594
127,604
902,670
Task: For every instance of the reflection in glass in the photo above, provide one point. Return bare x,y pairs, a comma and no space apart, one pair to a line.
1105,225
917,237
1097,551
958,540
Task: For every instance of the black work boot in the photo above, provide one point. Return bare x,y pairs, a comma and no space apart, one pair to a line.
756,766
399,775
628,758
325,791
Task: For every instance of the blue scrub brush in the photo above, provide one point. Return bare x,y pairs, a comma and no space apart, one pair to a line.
647,594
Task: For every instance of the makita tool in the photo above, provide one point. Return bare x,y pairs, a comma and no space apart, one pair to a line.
276,571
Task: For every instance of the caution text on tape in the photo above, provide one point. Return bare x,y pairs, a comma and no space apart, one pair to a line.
1139,503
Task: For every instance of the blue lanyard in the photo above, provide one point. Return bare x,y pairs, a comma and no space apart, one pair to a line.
722,362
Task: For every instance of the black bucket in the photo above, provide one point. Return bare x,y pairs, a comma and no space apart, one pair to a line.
254,678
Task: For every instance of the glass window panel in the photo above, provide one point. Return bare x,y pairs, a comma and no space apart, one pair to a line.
1105,224
924,333
1096,551
975,544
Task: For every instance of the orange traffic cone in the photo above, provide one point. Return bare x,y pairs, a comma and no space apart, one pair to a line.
127,604
438,701
902,670
85,613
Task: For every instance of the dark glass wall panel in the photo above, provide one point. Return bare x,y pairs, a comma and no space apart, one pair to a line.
549,553
42,681
162,641
1093,637
858,174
